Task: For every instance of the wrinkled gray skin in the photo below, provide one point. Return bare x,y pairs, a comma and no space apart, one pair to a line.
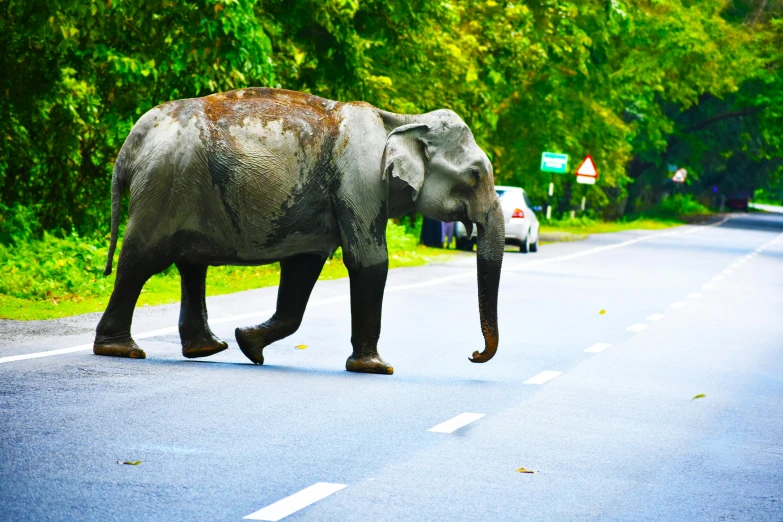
256,176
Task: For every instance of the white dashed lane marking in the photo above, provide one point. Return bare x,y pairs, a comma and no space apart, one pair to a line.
655,317
598,347
543,377
707,286
637,327
452,425
299,500
717,278
677,304
694,295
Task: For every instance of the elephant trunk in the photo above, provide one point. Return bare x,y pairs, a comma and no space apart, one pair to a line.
490,244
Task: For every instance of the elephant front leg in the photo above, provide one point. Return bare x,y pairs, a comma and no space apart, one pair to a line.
298,275
367,285
194,332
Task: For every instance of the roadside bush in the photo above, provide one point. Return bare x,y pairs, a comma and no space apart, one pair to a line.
54,267
679,205
768,196
18,224
413,225
399,239
71,267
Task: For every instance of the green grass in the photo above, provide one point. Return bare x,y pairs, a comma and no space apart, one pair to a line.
586,226
62,276
670,212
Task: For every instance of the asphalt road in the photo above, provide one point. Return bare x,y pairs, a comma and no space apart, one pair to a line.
613,434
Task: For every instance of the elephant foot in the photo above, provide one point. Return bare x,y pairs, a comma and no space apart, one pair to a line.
203,346
368,364
252,343
127,348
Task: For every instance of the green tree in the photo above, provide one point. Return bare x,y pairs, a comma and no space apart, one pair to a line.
637,84
77,74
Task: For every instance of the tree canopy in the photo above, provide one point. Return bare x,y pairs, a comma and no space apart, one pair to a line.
639,85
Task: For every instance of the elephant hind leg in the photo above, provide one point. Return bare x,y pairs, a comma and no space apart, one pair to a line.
113,334
298,275
197,338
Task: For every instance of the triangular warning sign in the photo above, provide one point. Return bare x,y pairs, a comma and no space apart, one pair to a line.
587,168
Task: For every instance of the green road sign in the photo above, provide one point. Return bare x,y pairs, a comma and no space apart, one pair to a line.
552,162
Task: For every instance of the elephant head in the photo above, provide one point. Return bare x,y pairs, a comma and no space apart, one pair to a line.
438,162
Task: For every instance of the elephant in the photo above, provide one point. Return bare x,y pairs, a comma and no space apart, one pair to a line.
260,175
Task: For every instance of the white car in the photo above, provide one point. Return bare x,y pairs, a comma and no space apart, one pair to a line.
521,222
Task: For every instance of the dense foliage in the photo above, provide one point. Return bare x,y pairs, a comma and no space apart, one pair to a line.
640,85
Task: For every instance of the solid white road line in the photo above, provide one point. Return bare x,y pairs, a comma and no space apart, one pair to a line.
636,327
394,288
678,304
452,425
431,282
543,377
595,250
72,349
598,347
655,317
292,504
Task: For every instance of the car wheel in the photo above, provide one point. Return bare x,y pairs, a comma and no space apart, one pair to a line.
534,246
524,246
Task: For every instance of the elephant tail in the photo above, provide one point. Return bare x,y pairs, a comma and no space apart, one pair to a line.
116,196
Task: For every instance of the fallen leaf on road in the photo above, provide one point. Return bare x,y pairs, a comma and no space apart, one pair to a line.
699,396
300,346
602,312
129,462
523,470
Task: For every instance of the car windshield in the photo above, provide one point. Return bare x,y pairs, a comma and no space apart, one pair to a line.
506,193
509,196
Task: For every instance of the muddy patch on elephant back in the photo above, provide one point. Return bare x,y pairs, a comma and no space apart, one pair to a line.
307,116
181,111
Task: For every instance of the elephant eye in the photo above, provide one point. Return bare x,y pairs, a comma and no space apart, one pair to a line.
475,174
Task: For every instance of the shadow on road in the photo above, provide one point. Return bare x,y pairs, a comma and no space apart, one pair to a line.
756,222
324,372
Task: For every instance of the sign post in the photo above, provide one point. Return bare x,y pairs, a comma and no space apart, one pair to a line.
680,175
553,163
586,174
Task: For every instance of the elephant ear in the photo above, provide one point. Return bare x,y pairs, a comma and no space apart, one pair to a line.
405,155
